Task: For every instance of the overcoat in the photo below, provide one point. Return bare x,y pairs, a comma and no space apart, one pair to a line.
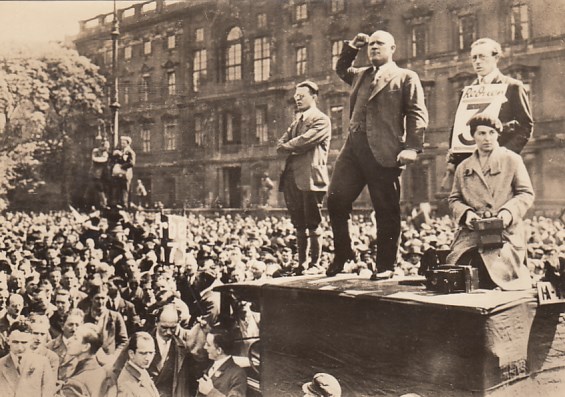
507,186
309,141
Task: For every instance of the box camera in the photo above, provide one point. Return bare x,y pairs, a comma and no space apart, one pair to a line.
448,279
490,232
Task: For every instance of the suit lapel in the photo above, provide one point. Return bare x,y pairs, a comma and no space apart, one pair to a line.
10,373
475,166
384,79
363,76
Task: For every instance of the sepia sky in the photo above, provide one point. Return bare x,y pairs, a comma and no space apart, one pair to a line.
42,21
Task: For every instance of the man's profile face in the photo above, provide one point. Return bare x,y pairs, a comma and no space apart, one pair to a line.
303,98
483,60
75,345
144,354
380,48
19,342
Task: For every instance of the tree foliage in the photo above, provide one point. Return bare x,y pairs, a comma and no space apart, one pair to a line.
46,94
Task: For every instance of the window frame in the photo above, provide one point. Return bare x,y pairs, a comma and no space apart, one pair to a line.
199,68
301,63
263,62
170,135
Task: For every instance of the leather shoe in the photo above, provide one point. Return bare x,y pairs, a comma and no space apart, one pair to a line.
382,275
336,266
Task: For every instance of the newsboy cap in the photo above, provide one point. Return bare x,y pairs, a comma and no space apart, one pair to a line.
310,84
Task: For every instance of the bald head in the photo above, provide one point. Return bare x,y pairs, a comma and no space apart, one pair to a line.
383,35
168,322
381,47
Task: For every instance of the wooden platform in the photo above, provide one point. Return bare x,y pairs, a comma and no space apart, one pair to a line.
392,337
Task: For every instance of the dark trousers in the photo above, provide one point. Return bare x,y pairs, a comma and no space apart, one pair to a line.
354,169
120,192
96,193
304,207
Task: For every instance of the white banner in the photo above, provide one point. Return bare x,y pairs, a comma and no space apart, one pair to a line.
485,98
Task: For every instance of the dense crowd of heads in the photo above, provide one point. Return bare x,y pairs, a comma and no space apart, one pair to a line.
61,270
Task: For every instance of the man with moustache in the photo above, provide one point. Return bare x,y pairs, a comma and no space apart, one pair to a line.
388,118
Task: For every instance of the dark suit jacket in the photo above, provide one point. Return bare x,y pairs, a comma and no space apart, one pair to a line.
307,143
229,380
515,115
129,314
114,333
396,114
516,108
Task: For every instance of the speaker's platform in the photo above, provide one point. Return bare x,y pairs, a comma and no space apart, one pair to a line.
391,337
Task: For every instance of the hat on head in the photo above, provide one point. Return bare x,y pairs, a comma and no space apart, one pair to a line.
310,84
322,385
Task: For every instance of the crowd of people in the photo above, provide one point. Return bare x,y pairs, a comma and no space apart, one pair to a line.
105,277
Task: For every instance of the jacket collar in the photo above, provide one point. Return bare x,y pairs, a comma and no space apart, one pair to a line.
387,72
474,165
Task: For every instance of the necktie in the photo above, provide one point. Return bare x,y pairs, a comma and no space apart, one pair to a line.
18,364
374,77
298,125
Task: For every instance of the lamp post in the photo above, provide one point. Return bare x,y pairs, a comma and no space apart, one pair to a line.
115,105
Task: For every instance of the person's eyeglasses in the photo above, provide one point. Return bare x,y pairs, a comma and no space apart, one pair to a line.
480,57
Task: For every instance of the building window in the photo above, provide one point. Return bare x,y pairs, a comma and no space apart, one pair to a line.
199,69
230,129
301,60
170,135
199,34
466,31
337,6
336,117
519,22
171,41
233,54
419,40
146,47
126,93
300,12
262,20
127,52
145,140
261,127
337,46
198,131
171,83
144,89
261,59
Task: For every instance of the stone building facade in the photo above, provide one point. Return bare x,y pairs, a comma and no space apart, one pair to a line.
205,87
